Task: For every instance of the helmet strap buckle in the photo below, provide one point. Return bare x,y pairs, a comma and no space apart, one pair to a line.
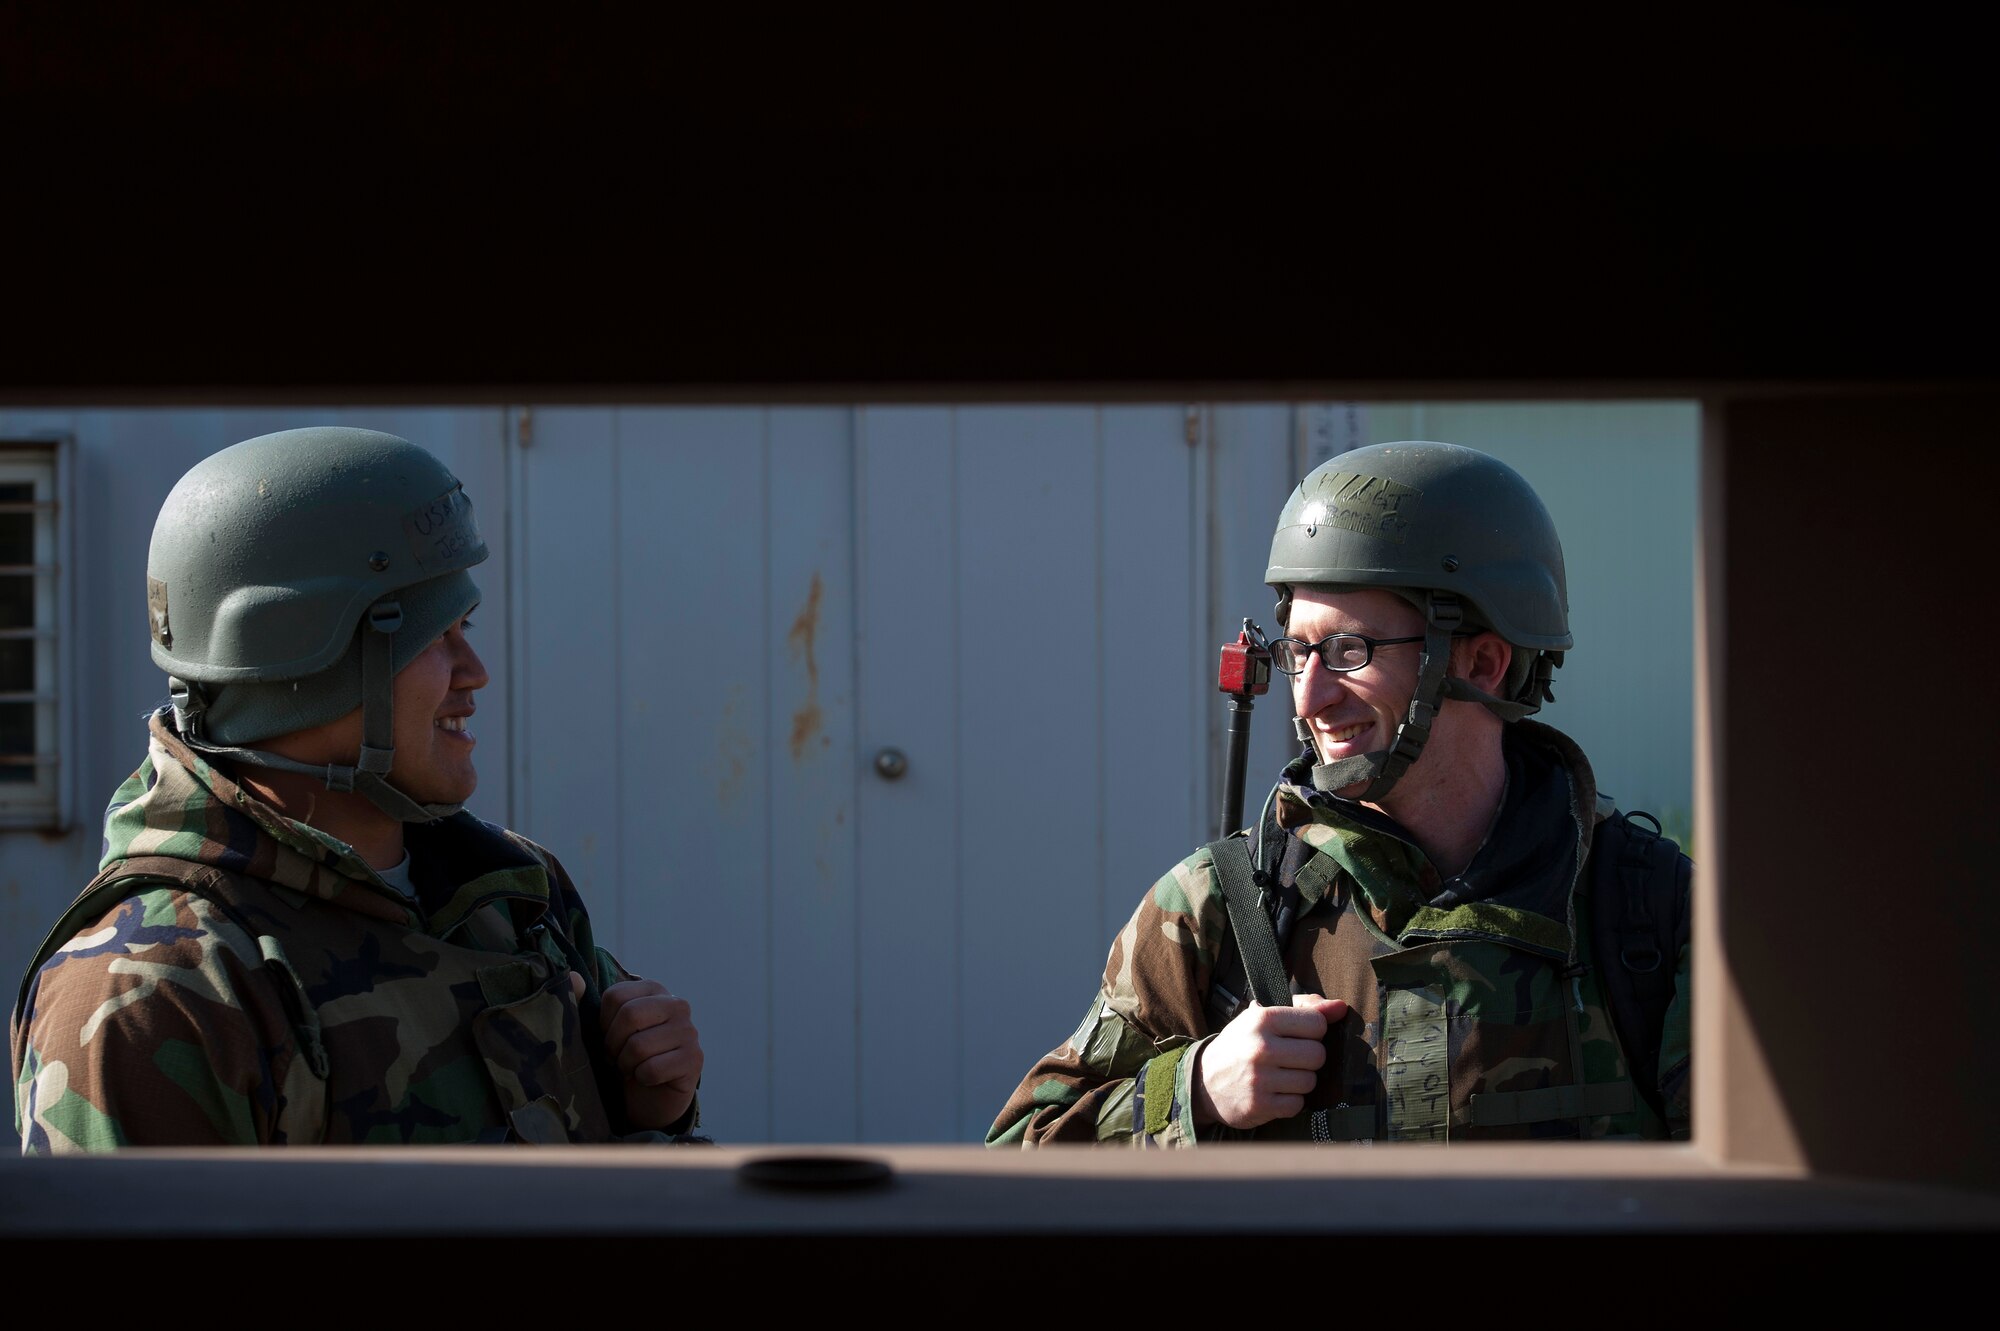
386,615
189,703
1444,612
1541,684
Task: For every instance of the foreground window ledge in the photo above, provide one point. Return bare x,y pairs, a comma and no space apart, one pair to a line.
951,1191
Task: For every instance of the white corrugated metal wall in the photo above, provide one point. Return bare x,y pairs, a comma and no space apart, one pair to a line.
706,624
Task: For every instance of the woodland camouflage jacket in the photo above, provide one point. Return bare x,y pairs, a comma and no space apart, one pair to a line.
266,987
1475,1007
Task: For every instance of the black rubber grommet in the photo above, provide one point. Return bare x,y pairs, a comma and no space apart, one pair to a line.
815,1173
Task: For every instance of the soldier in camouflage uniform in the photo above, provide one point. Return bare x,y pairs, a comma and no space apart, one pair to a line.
298,935
1425,858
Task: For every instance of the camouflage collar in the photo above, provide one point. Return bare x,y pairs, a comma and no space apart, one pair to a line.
178,804
1517,889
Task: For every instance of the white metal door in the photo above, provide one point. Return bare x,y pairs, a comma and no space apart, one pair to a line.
723,617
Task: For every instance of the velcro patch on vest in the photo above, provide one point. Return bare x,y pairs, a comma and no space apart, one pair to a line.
509,982
1159,1079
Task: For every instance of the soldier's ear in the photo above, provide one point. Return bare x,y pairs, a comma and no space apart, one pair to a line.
1482,661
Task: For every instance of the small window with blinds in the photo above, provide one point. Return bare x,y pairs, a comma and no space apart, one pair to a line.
31,571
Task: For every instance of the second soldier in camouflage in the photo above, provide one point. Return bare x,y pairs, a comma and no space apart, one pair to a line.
1429,858
298,935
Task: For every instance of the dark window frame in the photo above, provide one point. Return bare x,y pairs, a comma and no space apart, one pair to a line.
45,800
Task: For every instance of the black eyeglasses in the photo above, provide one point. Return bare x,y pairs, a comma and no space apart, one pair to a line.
1337,651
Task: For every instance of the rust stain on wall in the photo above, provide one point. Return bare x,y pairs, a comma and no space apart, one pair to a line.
805,724
807,719
733,750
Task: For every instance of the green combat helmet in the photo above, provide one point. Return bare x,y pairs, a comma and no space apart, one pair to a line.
291,576
1458,534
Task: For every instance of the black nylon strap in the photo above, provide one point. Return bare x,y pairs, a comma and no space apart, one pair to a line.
1256,940
1343,1123
1639,893
378,671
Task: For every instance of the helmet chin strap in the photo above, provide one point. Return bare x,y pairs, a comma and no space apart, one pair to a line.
1385,767
369,773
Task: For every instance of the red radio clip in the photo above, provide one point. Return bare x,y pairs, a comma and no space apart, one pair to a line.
1246,663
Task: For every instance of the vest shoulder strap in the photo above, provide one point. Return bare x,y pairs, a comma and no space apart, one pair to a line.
1249,958
122,879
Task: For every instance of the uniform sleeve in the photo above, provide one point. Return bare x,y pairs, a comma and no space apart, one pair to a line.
1123,1074
159,1025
